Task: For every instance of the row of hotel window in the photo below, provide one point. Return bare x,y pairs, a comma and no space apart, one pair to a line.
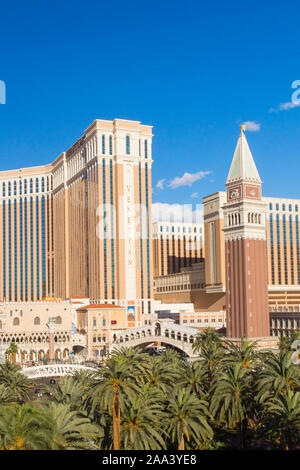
200,320
290,206
179,229
36,321
40,186
127,145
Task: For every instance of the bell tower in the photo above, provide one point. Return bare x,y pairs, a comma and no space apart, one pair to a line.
245,249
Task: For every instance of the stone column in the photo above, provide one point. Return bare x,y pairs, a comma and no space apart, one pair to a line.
51,326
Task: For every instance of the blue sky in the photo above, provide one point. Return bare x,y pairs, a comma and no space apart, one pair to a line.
194,70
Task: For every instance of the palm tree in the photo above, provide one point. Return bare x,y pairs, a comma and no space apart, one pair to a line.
110,386
210,363
69,392
192,378
244,353
69,430
18,384
6,395
172,356
187,419
207,338
232,402
12,350
160,374
21,428
283,418
277,375
141,422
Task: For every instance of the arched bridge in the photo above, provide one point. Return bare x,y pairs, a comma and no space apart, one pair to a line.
164,331
54,370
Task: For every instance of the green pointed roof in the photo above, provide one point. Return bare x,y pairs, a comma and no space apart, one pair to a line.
243,166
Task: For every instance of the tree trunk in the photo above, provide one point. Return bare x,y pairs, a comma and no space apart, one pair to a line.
116,422
181,443
241,433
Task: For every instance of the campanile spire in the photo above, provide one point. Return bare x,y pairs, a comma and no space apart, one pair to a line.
245,248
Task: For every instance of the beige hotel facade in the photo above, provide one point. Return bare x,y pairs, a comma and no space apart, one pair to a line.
81,225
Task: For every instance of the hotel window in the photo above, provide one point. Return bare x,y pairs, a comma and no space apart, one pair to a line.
283,207
146,148
173,229
36,185
16,322
127,145
184,229
296,207
3,189
43,185
20,187
94,322
9,188
31,185
58,320
161,228
271,206
15,188
290,207
37,321
139,147
110,145
277,207
103,144
178,229
25,186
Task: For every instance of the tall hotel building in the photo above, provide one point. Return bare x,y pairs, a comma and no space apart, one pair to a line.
81,226
176,245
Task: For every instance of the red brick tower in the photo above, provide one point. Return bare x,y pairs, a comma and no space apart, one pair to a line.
245,249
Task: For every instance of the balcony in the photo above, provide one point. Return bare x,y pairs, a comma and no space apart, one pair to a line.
79,340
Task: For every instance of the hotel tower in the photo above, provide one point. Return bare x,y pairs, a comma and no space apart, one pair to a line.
81,226
245,248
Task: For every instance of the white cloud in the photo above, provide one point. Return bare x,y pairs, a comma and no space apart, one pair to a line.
160,183
252,126
188,179
285,106
177,212
194,195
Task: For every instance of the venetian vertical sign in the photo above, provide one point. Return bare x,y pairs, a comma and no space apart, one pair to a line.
129,216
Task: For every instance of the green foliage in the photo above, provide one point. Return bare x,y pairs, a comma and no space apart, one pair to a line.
231,397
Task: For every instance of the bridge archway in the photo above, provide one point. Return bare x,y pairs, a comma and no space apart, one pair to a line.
183,347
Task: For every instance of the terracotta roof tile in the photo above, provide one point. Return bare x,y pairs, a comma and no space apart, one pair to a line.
112,306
